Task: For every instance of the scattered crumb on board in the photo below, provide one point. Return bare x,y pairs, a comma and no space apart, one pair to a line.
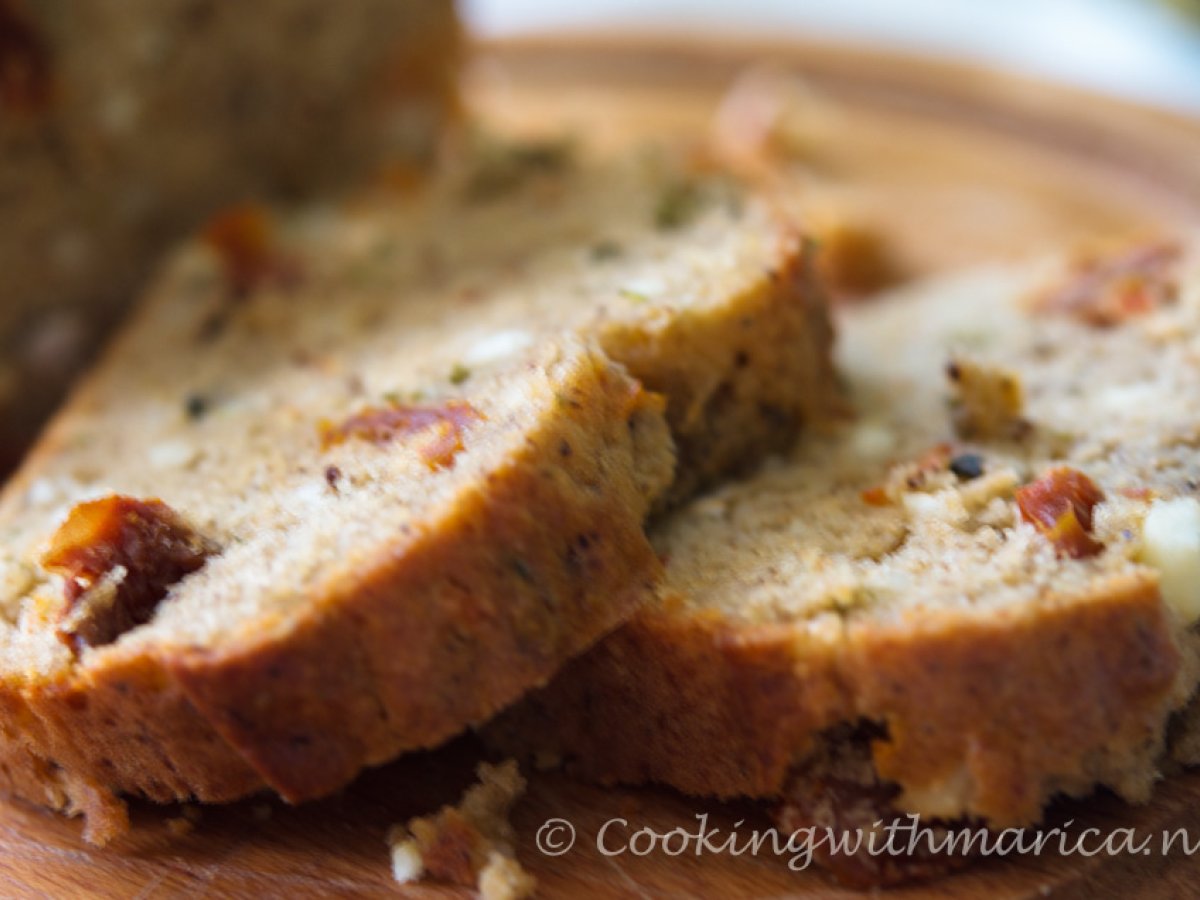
470,844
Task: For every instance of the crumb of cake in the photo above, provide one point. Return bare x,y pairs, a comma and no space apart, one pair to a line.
407,866
470,844
185,823
503,878
179,827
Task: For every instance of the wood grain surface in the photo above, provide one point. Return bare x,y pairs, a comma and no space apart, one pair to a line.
953,166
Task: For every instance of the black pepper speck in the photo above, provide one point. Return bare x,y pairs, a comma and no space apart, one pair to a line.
967,466
195,406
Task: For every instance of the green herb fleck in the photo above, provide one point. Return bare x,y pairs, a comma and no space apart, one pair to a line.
459,374
503,167
402,398
634,296
678,205
606,250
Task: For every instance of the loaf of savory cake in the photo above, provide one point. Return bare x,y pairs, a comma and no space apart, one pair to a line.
352,481
978,594
124,123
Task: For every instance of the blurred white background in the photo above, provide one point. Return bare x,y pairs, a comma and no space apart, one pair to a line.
1132,48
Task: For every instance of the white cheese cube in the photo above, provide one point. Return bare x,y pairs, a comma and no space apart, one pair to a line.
1171,541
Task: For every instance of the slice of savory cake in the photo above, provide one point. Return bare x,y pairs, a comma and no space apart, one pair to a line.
979,594
352,483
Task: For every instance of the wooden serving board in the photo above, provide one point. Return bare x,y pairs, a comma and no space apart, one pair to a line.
954,165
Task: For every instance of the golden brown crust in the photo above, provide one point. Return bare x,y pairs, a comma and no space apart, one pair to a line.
30,776
686,701
516,584
528,568
1020,707
1060,700
124,723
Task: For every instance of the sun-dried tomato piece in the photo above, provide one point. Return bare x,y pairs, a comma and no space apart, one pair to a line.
445,424
243,237
119,556
876,496
1107,290
445,443
26,77
1059,505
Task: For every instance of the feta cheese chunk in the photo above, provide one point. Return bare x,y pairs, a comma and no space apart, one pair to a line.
1171,535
